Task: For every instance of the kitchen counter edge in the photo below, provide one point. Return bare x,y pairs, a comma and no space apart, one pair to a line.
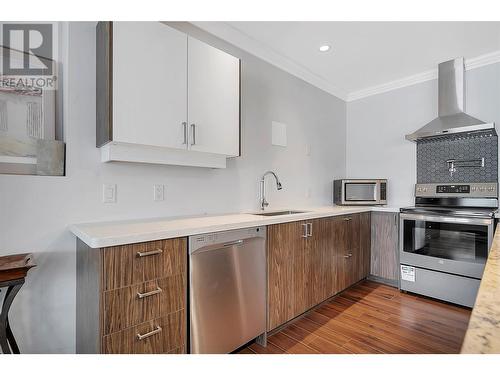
116,233
483,332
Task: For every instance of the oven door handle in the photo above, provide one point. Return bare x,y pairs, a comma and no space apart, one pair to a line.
447,219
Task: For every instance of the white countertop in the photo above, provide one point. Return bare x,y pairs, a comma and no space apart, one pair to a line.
115,233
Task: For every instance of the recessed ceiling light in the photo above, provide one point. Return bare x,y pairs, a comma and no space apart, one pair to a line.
324,48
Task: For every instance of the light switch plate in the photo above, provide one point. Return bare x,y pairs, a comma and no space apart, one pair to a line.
109,193
279,134
158,192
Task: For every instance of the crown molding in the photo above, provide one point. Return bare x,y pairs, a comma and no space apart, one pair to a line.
483,60
238,38
472,63
393,85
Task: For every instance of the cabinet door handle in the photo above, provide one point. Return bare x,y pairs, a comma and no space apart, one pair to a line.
149,334
149,294
148,253
348,219
193,134
184,124
310,229
304,230
346,256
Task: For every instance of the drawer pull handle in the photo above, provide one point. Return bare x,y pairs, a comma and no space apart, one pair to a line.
348,219
346,256
149,334
149,294
148,253
309,229
304,231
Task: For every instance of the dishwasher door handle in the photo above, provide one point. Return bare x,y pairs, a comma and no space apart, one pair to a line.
219,246
237,243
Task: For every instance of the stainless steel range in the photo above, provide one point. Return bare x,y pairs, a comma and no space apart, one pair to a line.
445,239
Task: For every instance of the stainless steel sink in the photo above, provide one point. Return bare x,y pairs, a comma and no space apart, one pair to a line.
279,213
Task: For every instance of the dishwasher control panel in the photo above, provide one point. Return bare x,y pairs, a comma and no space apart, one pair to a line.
202,240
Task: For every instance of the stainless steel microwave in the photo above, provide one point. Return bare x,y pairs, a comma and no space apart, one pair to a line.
360,192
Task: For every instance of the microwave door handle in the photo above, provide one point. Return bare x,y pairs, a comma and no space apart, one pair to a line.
376,193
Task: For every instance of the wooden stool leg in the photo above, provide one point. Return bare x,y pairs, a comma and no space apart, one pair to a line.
6,335
11,339
3,340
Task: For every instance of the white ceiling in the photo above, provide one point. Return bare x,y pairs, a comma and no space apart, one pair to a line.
364,56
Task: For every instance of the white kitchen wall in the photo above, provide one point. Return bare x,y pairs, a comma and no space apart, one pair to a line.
36,211
376,126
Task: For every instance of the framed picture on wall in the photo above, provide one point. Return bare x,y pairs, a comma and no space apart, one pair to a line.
28,141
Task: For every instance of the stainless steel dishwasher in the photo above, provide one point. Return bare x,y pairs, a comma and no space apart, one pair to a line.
227,289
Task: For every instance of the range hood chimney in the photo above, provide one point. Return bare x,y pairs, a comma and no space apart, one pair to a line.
451,116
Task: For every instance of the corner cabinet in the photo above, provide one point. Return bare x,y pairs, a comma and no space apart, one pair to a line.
311,261
385,247
164,97
132,299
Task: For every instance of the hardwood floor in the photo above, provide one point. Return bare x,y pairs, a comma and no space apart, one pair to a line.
372,318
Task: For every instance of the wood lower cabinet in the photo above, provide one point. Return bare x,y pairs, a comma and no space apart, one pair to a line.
132,298
340,266
384,247
364,244
310,261
286,267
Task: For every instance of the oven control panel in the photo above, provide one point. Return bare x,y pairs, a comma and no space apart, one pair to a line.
452,189
472,190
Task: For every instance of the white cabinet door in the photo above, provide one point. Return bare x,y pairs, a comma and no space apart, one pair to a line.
149,84
213,99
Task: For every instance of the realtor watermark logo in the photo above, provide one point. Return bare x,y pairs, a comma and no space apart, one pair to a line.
28,56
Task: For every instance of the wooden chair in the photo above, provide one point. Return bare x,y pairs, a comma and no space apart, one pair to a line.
13,271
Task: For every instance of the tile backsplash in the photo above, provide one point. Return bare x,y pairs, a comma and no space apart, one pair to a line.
432,156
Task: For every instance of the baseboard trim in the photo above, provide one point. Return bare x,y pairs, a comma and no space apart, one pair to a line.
382,280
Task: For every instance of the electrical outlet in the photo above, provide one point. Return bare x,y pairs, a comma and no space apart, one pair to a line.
109,193
158,192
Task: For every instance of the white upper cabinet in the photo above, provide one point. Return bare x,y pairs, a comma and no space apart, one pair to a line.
213,99
164,97
149,84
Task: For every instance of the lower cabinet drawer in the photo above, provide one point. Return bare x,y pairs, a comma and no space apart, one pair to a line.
133,305
163,335
132,264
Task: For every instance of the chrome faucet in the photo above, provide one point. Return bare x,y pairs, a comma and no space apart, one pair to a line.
263,202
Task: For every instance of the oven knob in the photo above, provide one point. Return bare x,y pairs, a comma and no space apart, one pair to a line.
491,189
473,188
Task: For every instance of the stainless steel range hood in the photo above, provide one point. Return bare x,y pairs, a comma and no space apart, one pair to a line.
451,116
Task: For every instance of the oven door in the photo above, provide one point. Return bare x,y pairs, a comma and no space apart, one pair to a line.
457,245
361,192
